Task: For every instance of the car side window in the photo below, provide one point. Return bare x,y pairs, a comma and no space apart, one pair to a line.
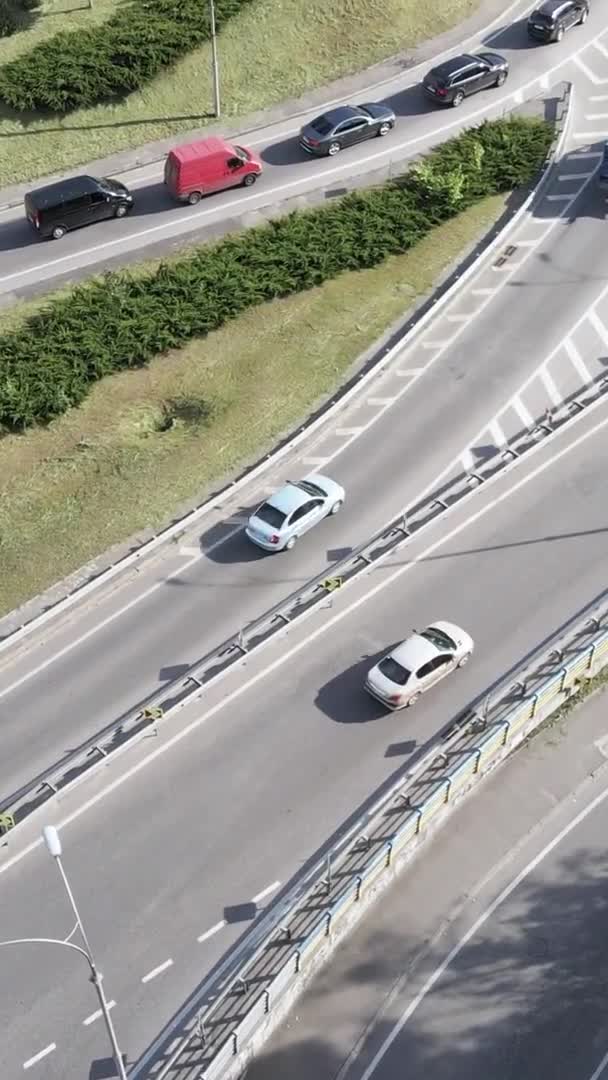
461,77
425,670
350,125
441,661
97,197
300,512
78,203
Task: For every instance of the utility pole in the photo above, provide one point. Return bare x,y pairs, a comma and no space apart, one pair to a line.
215,63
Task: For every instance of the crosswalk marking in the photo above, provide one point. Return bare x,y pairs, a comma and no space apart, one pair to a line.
598,326
525,416
550,386
498,435
577,360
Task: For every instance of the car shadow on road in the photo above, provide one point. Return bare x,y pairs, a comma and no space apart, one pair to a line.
512,36
343,698
285,152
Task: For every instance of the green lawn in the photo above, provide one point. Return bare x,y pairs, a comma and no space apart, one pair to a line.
274,49
145,441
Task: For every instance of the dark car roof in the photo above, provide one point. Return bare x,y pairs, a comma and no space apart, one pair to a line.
337,115
51,194
551,7
450,67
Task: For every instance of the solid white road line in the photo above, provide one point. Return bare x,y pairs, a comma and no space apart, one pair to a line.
577,360
212,930
384,583
265,892
575,176
156,971
38,1057
95,1015
472,931
603,50
602,1065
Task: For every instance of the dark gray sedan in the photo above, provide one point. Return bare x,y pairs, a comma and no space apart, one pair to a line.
344,126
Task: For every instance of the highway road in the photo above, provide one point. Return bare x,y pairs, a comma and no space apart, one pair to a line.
158,225
168,848
478,374
488,957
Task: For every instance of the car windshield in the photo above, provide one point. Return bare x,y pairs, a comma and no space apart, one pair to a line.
322,125
110,185
394,671
270,515
438,638
311,489
542,17
241,153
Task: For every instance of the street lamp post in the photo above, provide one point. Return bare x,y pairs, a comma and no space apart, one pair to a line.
53,846
215,62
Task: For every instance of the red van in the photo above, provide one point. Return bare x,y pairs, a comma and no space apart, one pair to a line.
199,168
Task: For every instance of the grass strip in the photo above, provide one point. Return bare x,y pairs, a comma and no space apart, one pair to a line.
147,441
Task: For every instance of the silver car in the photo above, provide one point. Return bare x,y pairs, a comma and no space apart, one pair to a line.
418,663
279,522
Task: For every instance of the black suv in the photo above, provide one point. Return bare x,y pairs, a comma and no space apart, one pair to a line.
453,80
78,200
550,21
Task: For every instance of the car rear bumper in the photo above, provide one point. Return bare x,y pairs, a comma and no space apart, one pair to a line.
447,100
312,150
545,36
378,697
263,544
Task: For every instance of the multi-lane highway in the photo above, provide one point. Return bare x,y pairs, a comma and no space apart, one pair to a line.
169,847
157,224
488,958
176,840
488,366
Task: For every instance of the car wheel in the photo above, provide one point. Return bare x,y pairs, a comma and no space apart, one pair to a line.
583,18
249,179
336,507
291,543
501,78
414,698
384,128
560,33
464,660
458,99
333,148
194,197
120,211
59,231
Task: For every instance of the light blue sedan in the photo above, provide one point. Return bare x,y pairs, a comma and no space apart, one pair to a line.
279,522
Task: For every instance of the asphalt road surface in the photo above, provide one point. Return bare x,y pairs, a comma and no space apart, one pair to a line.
158,225
174,842
478,374
488,958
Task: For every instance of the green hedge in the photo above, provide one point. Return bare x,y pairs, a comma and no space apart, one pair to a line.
121,321
80,68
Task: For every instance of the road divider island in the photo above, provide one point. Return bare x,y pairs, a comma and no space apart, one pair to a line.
125,319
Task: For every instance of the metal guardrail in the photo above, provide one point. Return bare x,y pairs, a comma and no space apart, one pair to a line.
254,999
17,806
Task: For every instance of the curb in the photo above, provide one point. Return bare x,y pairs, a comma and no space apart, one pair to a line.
87,579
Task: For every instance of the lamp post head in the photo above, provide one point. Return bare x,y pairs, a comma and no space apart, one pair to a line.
52,841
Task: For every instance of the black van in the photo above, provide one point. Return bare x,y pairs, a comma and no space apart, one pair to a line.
79,200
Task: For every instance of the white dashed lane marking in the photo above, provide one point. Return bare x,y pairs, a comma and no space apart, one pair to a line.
521,410
156,971
212,930
265,892
95,1015
598,326
38,1057
550,387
